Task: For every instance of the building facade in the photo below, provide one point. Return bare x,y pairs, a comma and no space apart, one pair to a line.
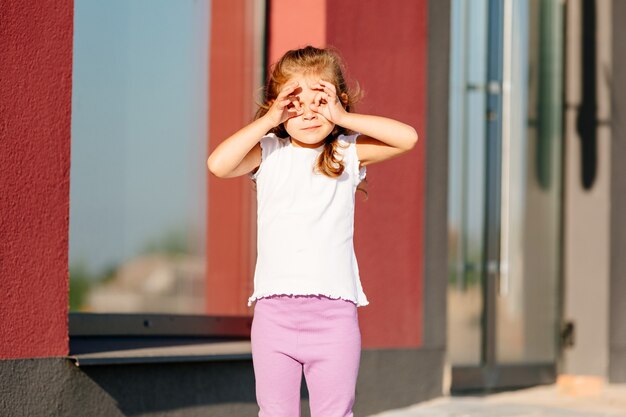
491,254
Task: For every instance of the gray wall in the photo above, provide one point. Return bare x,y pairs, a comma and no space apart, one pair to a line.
436,224
56,387
586,221
617,341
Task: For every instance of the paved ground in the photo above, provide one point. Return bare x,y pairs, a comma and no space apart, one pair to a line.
546,401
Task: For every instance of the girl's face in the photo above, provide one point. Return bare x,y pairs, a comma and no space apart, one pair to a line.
310,128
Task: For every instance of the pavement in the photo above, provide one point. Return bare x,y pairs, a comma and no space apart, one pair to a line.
543,401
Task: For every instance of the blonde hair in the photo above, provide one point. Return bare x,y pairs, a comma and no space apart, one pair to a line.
328,65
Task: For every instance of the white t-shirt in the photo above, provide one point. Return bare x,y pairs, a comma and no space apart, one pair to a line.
305,223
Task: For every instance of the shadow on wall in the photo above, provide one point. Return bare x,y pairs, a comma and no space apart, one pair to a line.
180,389
388,379
55,386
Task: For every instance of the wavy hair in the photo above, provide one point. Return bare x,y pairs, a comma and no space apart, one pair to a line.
327,64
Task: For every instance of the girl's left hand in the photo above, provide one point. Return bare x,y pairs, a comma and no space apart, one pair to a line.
327,103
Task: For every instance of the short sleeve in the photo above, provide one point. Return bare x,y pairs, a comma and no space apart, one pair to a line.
353,159
269,144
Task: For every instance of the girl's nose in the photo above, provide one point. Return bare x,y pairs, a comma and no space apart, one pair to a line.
308,113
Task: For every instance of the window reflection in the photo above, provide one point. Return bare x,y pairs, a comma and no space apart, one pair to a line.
138,177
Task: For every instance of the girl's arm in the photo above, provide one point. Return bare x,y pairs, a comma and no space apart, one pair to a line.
380,137
241,152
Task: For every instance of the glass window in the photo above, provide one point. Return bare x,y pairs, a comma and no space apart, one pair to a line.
504,182
138,165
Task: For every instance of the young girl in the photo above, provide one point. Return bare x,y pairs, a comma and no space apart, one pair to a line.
307,165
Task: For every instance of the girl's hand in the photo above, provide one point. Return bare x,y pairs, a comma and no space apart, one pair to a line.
285,106
327,103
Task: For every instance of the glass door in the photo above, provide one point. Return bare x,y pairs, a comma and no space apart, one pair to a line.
504,192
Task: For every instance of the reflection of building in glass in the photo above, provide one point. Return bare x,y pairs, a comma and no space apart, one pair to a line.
529,229
153,283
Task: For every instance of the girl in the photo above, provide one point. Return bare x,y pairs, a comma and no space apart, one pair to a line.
307,165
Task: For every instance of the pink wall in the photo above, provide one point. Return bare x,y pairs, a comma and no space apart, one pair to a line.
295,24
35,109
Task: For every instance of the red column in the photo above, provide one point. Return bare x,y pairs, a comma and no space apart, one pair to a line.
231,202
35,121
384,45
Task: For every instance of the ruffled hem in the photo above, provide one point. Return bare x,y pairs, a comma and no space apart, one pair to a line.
331,296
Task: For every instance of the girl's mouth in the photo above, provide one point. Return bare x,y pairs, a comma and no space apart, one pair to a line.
310,128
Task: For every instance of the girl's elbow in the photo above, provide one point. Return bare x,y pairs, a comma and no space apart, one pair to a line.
214,167
412,139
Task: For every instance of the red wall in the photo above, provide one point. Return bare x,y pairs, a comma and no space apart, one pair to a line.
35,109
385,48
384,45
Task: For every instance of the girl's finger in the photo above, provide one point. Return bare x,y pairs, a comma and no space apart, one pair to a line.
283,103
287,89
325,97
331,94
292,112
330,97
328,86
296,102
318,98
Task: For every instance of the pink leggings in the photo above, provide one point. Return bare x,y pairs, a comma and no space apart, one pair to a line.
305,332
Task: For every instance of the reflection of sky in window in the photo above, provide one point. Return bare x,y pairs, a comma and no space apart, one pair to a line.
138,126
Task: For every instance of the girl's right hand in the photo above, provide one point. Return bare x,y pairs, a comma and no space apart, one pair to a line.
285,106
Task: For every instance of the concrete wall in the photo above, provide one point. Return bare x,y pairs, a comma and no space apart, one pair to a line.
617,329
595,224
56,387
586,211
